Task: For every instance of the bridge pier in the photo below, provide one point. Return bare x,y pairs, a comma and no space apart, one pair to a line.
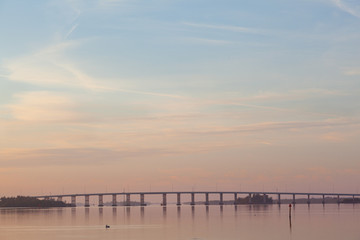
164,200
279,199
87,204
142,199
294,201
101,203
178,199
192,199
206,199
114,201
73,201
127,203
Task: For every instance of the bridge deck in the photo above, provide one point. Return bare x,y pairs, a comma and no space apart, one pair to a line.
199,192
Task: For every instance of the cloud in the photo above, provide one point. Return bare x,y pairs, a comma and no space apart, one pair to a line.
348,6
352,72
294,95
49,67
267,126
333,137
207,41
224,27
111,3
71,31
66,156
43,106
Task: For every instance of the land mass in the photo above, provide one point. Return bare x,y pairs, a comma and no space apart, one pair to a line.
22,201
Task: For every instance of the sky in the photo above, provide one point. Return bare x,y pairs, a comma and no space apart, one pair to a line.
139,95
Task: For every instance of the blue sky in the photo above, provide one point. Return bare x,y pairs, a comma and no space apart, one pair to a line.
179,92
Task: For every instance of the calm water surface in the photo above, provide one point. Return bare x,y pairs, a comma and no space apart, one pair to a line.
155,222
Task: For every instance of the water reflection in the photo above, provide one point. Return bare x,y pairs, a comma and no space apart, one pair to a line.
73,215
142,212
101,215
185,222
87,215
128,214
59,212
290,223
114,214
178,212
164,212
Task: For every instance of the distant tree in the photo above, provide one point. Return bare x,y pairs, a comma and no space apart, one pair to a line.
22,201
351,200
255,199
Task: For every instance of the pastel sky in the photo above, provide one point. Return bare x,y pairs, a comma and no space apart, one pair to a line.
113,95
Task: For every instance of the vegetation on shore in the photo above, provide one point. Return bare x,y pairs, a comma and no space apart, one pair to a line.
255,199
22,201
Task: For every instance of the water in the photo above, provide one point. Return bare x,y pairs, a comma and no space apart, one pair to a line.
155,222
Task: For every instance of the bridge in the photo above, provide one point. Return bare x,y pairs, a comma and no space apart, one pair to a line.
193,194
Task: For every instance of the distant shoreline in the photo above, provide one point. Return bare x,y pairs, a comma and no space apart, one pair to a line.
25,202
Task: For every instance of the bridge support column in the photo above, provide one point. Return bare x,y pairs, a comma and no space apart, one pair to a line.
114,201
178,199
221,199
142,199
193,199
127,203
235,198
323,199
279,199
101,203
293,201
206,199
87,204
353,198
264,198
73,201
338,199
164,200
59,199
308,200
250,200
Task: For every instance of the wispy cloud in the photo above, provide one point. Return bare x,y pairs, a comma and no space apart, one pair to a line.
207,41
352,72
298,94
71,31
266,126
111,3
69,156
351,7
50,67
224,27
43,106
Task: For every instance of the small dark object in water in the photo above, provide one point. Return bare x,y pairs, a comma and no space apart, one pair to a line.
107,226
